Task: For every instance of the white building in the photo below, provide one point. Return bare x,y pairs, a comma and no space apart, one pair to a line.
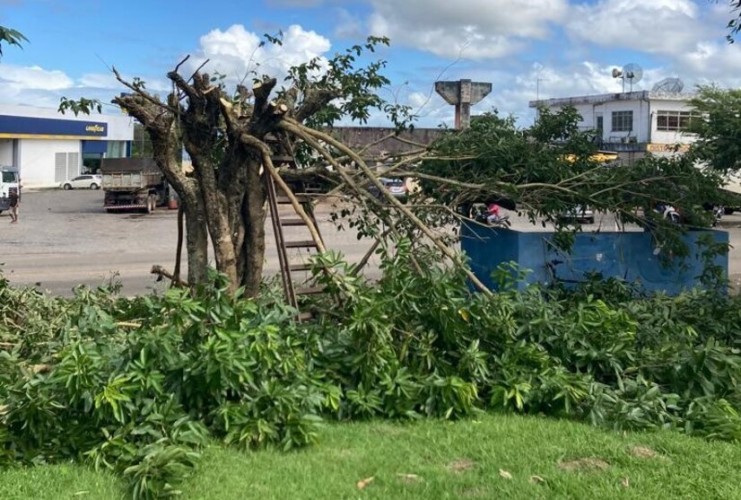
48,147
633,123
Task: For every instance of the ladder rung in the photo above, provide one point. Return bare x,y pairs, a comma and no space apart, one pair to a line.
292,222
301,244
300,267
314,290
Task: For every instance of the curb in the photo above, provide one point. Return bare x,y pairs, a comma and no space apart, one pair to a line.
728,224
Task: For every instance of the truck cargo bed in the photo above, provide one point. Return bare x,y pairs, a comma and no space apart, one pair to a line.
130,181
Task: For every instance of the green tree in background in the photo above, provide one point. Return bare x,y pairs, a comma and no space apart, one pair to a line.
10,37
719,129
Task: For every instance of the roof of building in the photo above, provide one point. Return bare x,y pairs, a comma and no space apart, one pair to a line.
639,95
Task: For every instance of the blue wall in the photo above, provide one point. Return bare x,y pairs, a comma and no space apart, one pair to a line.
629,256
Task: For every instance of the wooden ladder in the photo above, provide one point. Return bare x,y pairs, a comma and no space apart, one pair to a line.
280,221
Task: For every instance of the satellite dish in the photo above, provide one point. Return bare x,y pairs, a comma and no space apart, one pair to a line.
616,73
633,73
669,86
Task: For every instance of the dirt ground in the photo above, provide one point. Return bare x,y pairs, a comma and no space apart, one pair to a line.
65,238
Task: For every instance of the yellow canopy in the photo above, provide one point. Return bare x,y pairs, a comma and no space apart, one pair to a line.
598,157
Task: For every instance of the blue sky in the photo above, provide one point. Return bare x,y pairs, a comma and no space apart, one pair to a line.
526,48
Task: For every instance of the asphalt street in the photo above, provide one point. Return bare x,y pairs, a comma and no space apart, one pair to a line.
65,238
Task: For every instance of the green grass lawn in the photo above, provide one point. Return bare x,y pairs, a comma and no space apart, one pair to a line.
494,457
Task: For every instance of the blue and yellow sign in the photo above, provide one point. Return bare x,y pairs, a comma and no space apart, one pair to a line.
27,127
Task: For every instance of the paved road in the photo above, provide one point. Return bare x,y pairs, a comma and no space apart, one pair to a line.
64,238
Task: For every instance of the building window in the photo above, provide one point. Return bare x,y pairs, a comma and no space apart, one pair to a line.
622,121
674,121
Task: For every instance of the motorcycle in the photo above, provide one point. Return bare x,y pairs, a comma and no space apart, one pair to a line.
669,213
718,212
483,216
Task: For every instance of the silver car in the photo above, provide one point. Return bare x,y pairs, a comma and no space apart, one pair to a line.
87,181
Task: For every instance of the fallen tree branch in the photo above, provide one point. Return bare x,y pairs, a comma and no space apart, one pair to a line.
128,324
302,131
162,272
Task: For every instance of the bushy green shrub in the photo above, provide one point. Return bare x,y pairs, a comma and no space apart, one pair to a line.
139,385
601,352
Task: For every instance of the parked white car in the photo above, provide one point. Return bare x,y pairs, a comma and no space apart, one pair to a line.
87,181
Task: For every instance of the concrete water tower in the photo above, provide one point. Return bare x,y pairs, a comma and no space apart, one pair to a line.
462,94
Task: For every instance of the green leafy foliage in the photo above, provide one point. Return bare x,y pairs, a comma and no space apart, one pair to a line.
83,105
717,126
11,37
550,167
137,386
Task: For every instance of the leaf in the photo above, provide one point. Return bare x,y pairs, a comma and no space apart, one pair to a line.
625,482
409,478
363,483
537,480
464,314
505,474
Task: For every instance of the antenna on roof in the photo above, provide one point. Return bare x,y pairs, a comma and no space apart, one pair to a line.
631,72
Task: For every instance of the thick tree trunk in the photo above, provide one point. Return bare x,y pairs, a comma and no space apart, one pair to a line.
196,241
221,238
253,220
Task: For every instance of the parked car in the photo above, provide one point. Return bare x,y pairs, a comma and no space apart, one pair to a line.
397,187
87,181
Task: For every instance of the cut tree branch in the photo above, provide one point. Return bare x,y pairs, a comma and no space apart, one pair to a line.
303,131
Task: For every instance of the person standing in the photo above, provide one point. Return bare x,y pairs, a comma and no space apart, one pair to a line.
15,200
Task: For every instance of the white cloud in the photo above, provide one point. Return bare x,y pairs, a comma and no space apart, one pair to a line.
712,62
656,26
348,25
238,53
98,80
475,29
33,78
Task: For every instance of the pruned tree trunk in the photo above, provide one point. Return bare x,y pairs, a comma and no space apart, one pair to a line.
224,197
252,217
